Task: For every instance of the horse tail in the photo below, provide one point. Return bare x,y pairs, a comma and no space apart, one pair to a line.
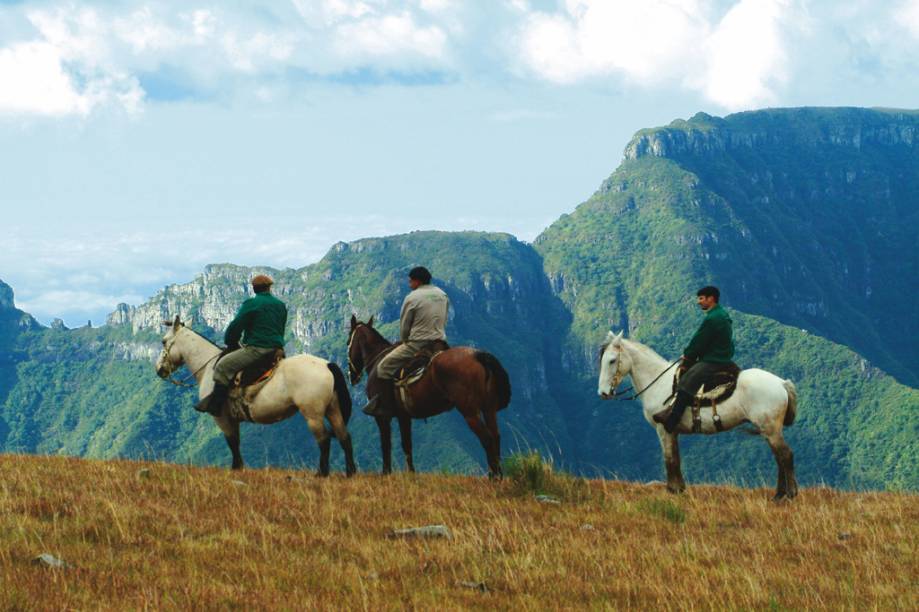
341,391
791,410
494,371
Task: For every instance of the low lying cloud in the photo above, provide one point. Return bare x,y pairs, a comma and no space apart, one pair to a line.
82,274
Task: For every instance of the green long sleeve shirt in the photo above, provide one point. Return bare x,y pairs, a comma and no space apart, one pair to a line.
260,322
714,340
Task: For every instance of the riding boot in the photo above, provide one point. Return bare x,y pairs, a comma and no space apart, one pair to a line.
213,403
682,400
381,405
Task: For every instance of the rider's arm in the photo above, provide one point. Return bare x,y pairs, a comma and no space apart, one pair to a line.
406,318
238,325
700,341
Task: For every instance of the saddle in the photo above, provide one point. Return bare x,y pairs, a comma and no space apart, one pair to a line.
716,389
414,370
259,371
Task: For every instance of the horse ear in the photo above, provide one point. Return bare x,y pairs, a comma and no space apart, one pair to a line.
177,323
370,322
620,335
167,323
353,321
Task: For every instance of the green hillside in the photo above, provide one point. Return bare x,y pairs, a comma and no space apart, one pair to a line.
813,261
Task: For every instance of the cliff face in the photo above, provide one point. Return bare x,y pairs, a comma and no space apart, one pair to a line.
802,128
808,216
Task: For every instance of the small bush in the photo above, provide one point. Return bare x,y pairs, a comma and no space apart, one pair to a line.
530,474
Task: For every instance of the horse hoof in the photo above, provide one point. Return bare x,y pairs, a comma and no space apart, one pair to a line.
321,474
676,489
779,498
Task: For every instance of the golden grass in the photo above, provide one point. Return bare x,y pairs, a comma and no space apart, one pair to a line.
183,537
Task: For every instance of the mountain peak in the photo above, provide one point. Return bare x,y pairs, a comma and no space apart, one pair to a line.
704,134
6,297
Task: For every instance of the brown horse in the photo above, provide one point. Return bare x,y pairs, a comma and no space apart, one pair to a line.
472,381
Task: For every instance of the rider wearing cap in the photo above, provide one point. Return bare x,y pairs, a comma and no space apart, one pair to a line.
422,322
256,332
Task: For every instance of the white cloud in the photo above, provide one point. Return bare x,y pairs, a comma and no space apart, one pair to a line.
645,41
734,62
389,35
745,55
908,16
32,80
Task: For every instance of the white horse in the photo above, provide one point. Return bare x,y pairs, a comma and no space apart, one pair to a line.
761,398
313,386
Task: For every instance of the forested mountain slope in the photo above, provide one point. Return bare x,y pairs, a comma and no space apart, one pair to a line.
805,218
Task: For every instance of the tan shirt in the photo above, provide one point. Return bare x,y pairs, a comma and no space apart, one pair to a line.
424,315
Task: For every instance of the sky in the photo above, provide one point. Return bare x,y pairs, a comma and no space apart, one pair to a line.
141,141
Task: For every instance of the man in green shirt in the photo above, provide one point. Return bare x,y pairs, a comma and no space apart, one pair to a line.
256,332
708,351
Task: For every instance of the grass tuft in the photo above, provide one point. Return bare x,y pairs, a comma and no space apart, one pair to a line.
530,474
664,509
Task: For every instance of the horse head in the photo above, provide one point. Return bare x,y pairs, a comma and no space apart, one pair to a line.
170,360
356,339
615,364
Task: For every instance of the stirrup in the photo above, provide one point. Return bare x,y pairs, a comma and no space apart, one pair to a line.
662,416
375,408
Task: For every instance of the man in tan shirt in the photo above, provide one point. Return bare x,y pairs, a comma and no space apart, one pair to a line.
422,322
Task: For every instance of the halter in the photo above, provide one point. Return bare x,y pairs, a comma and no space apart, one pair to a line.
619,375
367,366
351,367
181,383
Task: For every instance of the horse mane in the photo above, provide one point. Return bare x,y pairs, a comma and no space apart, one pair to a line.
202,336
635,345
376,334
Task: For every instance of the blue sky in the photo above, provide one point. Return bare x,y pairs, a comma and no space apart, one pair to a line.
139,142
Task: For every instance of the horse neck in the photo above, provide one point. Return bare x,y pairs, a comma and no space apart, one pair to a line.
646,366
372,344
197,352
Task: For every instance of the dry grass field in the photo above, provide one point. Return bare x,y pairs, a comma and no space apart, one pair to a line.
152,535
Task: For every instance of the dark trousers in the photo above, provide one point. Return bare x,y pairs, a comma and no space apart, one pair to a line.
694,377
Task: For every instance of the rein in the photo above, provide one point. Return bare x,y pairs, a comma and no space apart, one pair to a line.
183,382
616,394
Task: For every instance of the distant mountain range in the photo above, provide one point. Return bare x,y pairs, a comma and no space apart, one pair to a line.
808,220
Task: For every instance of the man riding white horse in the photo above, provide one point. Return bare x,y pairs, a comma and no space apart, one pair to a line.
256,332
422,323
708,351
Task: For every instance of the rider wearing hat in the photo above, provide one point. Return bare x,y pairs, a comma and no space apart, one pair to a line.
708,351
256,332
422,322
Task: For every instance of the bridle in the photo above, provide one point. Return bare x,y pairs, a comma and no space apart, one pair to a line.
618,375
352,370
184,382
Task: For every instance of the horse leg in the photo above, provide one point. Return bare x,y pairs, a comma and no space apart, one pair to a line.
405,434
787,485
324,440
671,448
344,439
491,420
479,429
385,443
230,431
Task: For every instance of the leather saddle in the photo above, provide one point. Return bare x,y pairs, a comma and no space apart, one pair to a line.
717,388
413,371
259,371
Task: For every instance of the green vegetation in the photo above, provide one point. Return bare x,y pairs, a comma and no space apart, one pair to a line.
806,219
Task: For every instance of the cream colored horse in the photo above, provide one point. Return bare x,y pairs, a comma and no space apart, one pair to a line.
761,398
313,386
